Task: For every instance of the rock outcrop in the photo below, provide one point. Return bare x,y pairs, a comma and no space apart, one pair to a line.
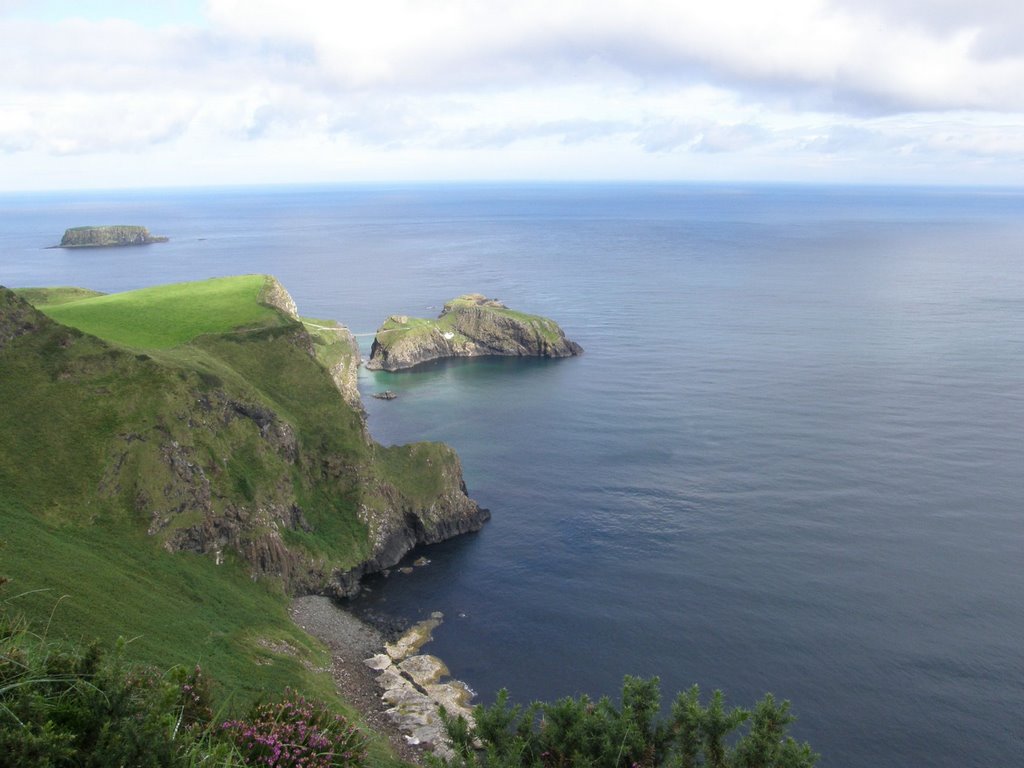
469,326
415,688
276,295
451,513
345,371
108,236
17,318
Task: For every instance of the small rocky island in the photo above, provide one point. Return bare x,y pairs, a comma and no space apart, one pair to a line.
108,236
469,326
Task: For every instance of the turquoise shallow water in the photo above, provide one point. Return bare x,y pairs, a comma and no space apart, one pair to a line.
791,458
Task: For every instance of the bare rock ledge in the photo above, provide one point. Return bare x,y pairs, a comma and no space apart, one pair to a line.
415,689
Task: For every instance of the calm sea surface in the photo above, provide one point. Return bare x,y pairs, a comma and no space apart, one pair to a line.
791,459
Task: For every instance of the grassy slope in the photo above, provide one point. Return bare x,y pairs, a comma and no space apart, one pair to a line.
545,325
169,315
258,365
108,580
392,331
104,581
314,407
327,351
68,397
65,538
41,297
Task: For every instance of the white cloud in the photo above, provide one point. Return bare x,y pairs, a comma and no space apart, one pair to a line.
800,81
861,59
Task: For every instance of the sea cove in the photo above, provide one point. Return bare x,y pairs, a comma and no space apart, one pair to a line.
788,461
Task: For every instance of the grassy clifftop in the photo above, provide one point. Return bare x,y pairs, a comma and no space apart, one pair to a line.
177,460
167,315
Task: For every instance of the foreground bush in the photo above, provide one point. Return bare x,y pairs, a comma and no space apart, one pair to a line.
67,705
580,733
296,732
73,706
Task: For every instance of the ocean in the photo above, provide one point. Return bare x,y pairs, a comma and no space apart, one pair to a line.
791,458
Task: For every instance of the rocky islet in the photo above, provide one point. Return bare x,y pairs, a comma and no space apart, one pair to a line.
113,235
471,325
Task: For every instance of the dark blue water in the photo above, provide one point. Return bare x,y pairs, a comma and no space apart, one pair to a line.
791,459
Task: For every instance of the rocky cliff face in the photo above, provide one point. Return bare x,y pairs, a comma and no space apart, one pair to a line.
345,370
193,513
275,295
398,528
17,318
469,326
214,466
114,235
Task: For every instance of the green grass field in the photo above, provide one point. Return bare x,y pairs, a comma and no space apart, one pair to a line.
169,315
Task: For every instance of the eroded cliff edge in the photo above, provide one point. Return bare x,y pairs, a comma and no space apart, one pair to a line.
469,326
243,446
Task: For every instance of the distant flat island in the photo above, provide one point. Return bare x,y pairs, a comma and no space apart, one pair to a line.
108,236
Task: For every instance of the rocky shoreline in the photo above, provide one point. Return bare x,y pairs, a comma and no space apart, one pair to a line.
398,690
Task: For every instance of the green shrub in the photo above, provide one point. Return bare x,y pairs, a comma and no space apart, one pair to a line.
581,733
67,705
296,732
64,705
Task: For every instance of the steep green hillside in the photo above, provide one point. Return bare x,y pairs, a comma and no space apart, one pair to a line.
177,460
106,580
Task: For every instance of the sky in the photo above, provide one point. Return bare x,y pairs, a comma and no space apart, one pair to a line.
162,93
